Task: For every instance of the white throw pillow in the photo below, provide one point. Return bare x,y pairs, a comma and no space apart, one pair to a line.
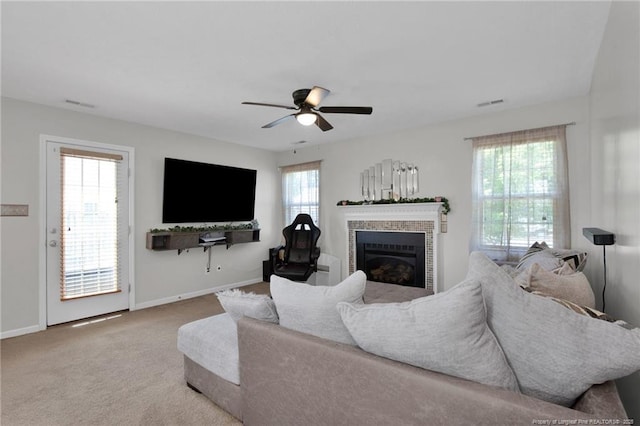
446,332
555,353
237,304
312,309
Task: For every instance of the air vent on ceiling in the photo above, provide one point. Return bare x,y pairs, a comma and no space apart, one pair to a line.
496,101
77,103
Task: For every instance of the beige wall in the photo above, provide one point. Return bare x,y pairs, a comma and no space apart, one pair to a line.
160,277
615,173
444,160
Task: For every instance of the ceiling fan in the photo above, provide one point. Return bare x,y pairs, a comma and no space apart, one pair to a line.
307,101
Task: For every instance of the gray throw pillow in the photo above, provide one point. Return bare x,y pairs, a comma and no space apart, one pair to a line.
237,304
446,332
312,309
550,348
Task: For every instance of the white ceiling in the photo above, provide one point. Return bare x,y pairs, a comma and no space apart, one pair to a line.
187,66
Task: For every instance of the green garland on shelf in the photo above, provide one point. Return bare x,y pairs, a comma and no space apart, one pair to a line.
445,203
214,228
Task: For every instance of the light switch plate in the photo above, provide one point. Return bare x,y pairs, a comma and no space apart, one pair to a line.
14,210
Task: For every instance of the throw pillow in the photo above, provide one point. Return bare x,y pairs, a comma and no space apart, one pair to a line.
532,251
446,332
587,311
572,287
551,259
575,258
550,348
523,276
544,258
237,304
565,270
312,309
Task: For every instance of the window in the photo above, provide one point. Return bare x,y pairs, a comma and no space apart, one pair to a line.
89,229
520,192
301,191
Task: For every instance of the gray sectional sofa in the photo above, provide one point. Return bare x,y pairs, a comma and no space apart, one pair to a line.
211,353
265,374
291,378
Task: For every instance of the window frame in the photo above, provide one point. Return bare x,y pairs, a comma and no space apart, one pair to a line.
556,194
306,205
76,283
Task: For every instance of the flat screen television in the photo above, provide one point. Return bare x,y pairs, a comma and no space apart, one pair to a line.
201,193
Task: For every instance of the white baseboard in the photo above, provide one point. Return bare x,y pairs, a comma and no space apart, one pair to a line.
191,295
152,303
19,332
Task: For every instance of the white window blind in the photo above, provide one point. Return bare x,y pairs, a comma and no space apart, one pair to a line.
301,191
520,192
89,229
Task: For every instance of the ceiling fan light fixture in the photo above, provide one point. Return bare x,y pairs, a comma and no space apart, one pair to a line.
306,118
307,101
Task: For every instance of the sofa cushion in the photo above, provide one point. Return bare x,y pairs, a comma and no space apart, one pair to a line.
312,309
446,332
573,287
238,303
555,353
212,343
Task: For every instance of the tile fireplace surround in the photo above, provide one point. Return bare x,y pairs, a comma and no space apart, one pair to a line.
409,217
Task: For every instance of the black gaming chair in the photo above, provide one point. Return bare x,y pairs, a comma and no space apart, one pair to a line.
298,258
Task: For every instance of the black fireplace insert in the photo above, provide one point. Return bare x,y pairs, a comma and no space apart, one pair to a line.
392,257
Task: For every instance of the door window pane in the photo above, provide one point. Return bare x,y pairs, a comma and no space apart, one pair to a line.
89,228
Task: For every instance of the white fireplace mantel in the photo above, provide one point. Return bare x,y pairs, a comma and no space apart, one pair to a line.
399,217
399,211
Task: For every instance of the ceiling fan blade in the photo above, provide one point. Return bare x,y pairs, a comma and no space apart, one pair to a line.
269,105
323,124
278,121
316,95
346,110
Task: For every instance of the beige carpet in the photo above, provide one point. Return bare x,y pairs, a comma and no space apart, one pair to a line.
122,370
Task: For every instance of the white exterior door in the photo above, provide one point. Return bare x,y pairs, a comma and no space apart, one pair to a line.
87,230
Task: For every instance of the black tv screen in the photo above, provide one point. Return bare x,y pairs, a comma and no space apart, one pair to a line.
202,192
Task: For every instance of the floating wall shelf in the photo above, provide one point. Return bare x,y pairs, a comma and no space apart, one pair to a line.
163,241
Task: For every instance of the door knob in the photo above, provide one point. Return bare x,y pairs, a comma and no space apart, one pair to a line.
53,243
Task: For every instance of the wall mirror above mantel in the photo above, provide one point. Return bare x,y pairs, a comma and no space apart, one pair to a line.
389,179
